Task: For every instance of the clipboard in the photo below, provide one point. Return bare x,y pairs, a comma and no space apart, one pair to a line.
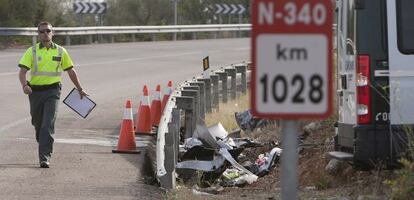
82,106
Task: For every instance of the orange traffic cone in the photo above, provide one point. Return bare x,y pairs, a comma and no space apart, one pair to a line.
168,92
144,114
126,141
156,107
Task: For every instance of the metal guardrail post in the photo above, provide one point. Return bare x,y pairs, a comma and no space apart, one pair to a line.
242,69
168,180
207,85
90,39
133,38
112,39
196,97
187,104
232,73
202,98
34,38
224,92
175,119
67,40
216,95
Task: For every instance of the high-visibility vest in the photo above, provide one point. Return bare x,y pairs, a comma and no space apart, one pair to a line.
36,72
46,65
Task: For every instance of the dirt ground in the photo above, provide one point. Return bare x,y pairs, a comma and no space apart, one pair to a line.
314,181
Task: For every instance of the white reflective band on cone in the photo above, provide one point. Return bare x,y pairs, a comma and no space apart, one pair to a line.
167,91
145,101
157,95
128,113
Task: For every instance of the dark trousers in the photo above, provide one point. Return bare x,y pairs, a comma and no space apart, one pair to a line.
43,109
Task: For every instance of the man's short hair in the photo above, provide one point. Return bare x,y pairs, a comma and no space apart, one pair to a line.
44,23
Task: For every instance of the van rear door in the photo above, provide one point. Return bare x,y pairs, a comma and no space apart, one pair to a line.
346,92
400,18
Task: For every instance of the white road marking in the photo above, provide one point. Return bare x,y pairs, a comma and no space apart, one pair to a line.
11,55
8,73
16,123
107,142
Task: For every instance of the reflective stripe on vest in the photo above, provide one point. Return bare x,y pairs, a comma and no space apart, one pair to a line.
36,72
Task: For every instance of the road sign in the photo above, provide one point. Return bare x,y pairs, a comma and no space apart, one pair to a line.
292,65
89,7
229,9
206,63
242,9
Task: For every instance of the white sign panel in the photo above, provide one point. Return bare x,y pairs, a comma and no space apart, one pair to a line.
299,85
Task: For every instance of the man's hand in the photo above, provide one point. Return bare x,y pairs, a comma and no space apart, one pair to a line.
27,89
82,93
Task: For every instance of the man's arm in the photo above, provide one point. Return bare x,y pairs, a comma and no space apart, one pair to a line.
74,78
22,78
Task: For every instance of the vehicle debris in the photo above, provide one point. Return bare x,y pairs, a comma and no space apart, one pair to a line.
212,151
247,122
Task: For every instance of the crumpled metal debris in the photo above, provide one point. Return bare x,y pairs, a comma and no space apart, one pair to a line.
215,189
247,121
192,142
218,131
264,163
215,150
269,160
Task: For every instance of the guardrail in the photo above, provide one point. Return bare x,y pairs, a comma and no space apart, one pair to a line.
112,30
193,98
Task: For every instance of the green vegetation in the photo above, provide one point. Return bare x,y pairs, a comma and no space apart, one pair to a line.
226,113
403,185
28,13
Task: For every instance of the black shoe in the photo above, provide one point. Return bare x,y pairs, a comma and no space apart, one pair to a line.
44,164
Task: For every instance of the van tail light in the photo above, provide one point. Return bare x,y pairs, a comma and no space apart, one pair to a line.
363,90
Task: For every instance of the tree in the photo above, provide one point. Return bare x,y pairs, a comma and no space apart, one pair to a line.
28,13
142,12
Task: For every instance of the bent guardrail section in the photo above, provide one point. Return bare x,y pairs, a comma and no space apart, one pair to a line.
189,103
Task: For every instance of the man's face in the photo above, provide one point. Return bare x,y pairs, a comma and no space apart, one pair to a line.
45,33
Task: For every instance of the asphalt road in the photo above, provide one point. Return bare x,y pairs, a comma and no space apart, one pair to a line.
82,165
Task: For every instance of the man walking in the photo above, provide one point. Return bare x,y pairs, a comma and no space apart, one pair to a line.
46,61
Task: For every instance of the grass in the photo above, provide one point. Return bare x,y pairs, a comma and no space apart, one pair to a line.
402,187
226,112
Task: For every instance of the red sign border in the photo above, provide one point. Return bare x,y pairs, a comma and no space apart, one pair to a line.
325,30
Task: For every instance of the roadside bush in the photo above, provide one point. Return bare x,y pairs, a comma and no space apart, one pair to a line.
403,185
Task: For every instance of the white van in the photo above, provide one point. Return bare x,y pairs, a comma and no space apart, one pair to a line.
375,89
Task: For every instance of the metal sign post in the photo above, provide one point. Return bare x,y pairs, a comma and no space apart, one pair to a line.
175,2
292,70
289,160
